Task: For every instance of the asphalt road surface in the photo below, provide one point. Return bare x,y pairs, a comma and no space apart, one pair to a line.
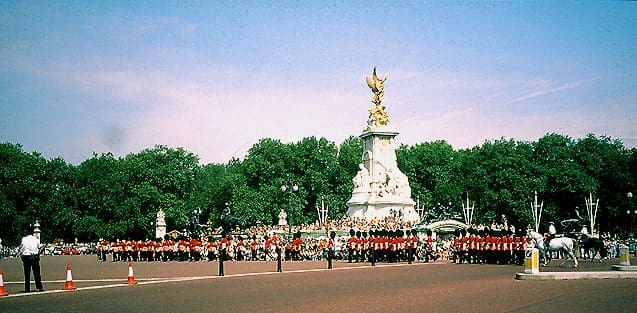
310,287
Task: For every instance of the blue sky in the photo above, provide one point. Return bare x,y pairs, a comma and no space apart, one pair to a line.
216,76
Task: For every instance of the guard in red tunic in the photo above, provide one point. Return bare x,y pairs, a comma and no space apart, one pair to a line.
351,245
488,244
223,246
102,249
372,247
168,247
296,247
414,244
241,249
211,248
358,246
268,246
254,247
408,245
195,249
330,250
365,248
472,245
519,249
481,246
464,244
456,247
429,253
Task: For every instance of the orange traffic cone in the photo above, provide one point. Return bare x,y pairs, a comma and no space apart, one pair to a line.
3,292
69,279
131,276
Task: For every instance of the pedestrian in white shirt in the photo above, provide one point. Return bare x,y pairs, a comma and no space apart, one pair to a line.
30,255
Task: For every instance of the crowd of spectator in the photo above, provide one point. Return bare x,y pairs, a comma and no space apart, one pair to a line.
257,243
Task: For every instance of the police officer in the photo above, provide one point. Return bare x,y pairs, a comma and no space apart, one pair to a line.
30,249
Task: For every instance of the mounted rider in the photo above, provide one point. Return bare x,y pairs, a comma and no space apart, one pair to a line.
552,232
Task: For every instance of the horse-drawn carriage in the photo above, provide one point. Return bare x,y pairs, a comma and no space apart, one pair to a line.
574,242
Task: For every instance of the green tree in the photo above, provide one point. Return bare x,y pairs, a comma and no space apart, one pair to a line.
563,178
430,168
607,162
506,174
100,196
158,178
23,184
349,156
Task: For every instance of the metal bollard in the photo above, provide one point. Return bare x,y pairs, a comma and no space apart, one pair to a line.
531,261
624,255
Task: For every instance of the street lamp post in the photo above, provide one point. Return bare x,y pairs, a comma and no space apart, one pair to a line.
591,209
420,210
468,211
293,188
322,213
536,210
36,229
151,231
631,213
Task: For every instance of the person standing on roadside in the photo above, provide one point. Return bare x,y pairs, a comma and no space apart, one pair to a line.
330,250
30,254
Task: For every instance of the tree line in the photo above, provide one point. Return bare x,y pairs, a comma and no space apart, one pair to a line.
118,197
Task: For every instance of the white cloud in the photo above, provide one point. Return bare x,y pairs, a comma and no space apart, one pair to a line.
547,89
215,122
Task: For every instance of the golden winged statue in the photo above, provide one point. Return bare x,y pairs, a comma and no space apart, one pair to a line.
377,114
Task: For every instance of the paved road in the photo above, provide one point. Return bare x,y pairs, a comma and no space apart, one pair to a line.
308,287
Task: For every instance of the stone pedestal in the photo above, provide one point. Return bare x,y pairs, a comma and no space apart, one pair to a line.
160,226
380,189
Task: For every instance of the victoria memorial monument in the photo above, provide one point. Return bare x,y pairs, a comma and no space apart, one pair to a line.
380,189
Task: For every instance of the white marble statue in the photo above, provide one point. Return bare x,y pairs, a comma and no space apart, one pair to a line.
283,218
379,186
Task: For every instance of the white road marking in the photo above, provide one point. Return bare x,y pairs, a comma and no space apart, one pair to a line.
148,281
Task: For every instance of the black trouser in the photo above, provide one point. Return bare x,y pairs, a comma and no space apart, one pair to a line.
31,262
222,256
372,256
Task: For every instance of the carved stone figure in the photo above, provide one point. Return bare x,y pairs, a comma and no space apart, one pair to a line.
361,180
161,218
283,218
160,226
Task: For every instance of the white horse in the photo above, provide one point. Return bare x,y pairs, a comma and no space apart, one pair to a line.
564,244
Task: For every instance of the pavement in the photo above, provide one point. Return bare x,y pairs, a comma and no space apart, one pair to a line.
311,287
616,271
